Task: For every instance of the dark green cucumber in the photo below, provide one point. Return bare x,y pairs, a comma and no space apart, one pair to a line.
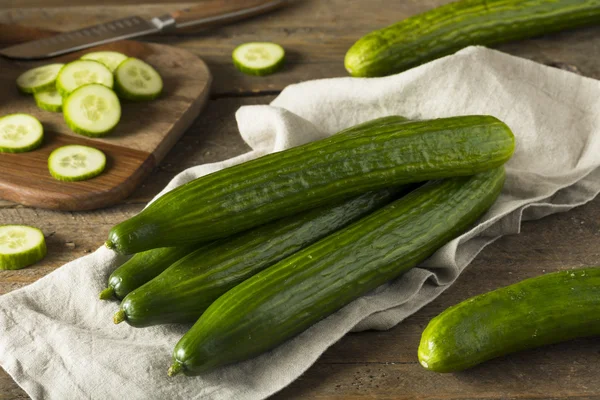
382,153
535,312
290,296
451,27
185,290
142,268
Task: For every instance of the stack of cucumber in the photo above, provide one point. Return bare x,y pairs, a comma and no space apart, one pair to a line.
256,253
83,91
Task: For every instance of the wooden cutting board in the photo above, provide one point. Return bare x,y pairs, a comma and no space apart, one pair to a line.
145,134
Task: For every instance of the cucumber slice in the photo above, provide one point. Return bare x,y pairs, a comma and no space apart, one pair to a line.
92,110
136,80
20,246
39,79
49,101
20,133
82,72
258,58
76,163
111,59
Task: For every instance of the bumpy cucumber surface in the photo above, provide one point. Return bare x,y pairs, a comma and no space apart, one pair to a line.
142,268
186,289
378,154
451,27
535,312
290,296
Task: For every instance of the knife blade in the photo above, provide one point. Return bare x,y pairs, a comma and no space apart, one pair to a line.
209,13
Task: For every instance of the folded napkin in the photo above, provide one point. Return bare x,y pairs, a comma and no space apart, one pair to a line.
57,339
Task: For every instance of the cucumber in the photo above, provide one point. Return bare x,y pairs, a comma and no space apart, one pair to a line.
142,268
535,312
185,290
92,110
50,100
76,163
456,25
82,72
20,133
290,296
39,79
137,80
258,58
20,246
384,153
110,59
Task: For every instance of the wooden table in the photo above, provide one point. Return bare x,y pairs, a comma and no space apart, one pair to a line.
368,365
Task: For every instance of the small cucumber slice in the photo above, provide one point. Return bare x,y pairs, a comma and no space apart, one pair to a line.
92,110
82,72
137,80
20,246
20,133
49,101
258,58
111,59
39,79
76,163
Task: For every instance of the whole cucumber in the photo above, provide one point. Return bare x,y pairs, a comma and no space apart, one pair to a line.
185,290
142,268
372,156
535,312
290,296
451,27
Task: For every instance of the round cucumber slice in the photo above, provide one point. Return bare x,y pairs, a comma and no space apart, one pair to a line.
137,80
20,246
76,163
111,59
92,110
39,79
20,133
82,72
49,101
258,58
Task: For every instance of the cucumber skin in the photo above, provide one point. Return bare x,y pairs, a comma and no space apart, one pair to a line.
187,288
143,267
446,29
73,126
538,311
259,71
290,296
371,156
24,149
123,93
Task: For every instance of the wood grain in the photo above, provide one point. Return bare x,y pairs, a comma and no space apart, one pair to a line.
217,12
146,132
315,34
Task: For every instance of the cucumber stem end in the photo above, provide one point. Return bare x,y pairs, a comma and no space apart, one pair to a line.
109,244
175,368
119,317
107,293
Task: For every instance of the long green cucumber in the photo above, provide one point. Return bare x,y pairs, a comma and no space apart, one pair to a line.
535,312
446,29
185,290
290,296
372,156
142,268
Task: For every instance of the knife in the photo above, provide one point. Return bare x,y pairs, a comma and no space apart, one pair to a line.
207,14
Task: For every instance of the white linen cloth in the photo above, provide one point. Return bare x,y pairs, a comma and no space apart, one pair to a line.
57,339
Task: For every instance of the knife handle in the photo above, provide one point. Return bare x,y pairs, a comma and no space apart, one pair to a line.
217,12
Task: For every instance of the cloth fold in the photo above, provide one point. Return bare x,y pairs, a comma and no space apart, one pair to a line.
57,340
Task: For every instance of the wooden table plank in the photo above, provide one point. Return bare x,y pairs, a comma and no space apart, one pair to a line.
316,35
